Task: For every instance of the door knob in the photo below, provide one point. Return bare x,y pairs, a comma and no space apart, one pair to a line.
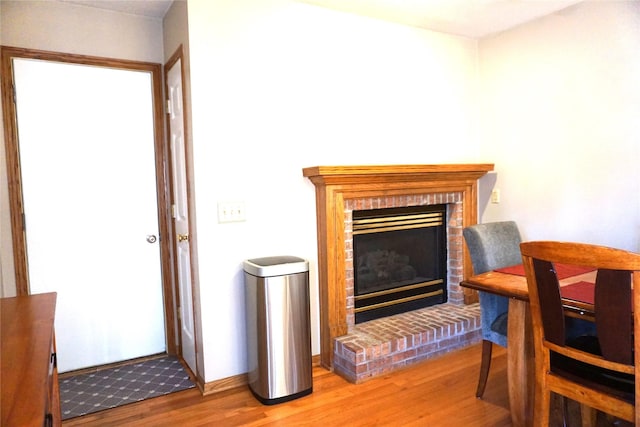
183,237
151,238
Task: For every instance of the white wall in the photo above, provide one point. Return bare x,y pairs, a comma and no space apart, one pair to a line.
7,270
175,29
561,102
278,86
69,28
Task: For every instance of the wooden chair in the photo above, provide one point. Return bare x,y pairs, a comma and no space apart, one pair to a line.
492,245
597,371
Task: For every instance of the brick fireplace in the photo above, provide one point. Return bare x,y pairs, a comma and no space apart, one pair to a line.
361,351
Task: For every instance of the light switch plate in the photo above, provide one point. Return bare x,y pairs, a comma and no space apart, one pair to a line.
231,212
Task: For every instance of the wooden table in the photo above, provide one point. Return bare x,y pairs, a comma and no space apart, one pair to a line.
520,364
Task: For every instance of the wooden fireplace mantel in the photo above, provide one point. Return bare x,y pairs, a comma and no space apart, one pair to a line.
335,184
382,174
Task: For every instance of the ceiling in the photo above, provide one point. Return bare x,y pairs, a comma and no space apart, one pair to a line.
469,18
150,8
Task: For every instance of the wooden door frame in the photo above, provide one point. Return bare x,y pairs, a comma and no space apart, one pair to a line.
14,172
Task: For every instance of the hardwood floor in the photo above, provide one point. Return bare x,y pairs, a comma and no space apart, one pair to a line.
438,392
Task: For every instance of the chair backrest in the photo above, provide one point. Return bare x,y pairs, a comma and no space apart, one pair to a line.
493,245
617,285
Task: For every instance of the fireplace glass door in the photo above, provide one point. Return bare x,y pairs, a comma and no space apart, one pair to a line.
400,257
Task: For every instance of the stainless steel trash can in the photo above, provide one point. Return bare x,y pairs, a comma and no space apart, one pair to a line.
278,328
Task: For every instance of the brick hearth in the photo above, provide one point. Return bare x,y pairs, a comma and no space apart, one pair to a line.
382,345
359,352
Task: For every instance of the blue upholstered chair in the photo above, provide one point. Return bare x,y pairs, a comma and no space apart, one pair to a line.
492,245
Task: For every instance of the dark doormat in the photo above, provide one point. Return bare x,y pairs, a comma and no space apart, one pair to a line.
105,389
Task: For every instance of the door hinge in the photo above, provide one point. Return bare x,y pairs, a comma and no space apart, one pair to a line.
173,211
168,106
13,89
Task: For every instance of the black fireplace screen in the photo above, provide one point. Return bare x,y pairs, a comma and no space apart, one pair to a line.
400,260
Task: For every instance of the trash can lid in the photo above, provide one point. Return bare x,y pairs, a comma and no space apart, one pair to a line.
276,266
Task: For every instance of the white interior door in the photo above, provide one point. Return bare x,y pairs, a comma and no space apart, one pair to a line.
86,138
181,213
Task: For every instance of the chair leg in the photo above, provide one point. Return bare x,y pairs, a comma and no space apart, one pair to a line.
485,364
542,406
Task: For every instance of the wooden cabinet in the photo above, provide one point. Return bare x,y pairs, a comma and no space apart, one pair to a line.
29,393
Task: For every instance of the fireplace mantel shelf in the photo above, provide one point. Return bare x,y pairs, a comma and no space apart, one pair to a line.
394,173
336,185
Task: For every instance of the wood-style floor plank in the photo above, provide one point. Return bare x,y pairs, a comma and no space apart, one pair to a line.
438,392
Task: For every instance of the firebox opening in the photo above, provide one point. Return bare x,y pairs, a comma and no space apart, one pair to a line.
401,260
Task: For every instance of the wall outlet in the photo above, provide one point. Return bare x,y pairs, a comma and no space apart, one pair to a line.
231,212
495,196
